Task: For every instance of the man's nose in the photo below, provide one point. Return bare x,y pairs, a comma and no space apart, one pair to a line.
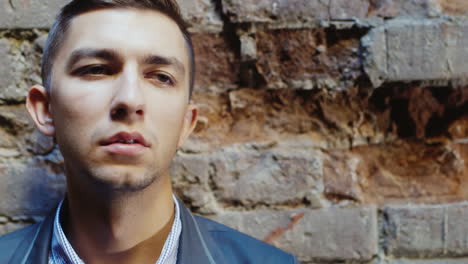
128,104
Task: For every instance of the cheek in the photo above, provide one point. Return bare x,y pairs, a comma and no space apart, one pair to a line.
75,111
168,117
76,101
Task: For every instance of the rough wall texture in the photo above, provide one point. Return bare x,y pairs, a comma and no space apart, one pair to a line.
334,129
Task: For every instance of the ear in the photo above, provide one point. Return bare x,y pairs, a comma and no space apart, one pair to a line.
190,121
38,106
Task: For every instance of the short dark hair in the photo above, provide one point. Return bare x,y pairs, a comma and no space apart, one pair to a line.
75,8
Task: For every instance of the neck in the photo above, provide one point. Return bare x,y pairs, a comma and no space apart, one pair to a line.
127,228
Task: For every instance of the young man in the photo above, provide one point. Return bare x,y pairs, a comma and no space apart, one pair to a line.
117,80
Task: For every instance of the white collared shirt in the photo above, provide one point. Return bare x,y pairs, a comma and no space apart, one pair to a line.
63,253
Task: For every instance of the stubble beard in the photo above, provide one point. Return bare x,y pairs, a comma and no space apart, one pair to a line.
114,183
127,182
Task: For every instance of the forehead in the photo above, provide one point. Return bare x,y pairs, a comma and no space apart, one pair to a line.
130,32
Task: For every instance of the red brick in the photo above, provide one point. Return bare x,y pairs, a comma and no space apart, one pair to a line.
454,7
409,172
216,61
305,59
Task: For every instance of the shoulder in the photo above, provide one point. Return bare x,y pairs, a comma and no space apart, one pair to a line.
241,246
10,242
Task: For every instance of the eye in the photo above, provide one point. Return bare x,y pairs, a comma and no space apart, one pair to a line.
162,78
97,69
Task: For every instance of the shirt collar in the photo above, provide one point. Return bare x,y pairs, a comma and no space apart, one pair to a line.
63,253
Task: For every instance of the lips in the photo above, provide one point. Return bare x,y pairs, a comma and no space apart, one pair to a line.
127,139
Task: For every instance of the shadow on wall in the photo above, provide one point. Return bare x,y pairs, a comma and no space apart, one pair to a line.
423,112
30,190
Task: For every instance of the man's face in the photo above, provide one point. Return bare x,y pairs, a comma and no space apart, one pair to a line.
119,97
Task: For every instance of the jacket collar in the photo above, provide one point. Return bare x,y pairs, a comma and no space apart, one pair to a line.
35,249
195,243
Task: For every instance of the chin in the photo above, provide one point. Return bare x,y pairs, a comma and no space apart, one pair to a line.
129,180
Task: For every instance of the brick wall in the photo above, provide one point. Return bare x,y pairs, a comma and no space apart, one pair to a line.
334,129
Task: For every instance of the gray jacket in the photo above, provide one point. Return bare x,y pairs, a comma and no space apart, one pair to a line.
202,241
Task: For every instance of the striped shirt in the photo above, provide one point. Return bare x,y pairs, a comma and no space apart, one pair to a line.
63,253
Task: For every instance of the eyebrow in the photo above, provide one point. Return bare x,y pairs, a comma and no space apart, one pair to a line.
104,54
165,61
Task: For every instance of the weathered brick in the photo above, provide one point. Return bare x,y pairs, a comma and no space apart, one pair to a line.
456,230
420,112
18,133
341,179
328,234
15,118
285,56
190,175
40,41
428,261
348,9
277,11
427,231
283,13
459,130
375,52
267,176
418,50
191,168
216,62
359,9
29,13
307,58
397,172
249,176
200,14
38,143
7,142
248,47
13,78
288,115
453,7
31,190
415,231
403,8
